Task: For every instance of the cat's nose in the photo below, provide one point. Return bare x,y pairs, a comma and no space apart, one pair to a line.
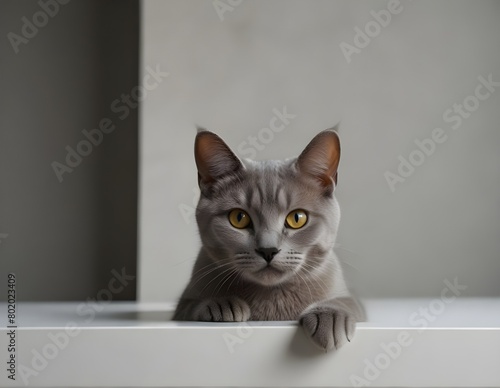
267,253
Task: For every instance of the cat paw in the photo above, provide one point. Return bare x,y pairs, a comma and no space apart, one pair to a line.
222,310
328,327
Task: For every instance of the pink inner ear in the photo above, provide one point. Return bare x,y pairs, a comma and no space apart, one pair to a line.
202,155
321,157
334,158
214,158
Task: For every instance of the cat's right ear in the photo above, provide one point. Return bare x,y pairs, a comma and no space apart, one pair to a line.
214,159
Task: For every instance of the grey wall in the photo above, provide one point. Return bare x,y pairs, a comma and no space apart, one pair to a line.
442,222
64,238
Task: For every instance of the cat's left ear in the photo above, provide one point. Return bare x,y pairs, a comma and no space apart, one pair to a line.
214,158
320,159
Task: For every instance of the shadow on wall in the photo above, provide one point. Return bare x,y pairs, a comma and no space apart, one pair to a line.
68,200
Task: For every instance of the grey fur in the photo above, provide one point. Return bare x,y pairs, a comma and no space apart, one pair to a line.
231,282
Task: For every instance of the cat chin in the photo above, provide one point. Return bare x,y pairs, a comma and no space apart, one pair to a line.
268,276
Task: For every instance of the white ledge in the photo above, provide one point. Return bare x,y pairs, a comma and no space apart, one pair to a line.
134,344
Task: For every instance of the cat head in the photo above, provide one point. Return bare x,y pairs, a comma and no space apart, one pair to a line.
271,220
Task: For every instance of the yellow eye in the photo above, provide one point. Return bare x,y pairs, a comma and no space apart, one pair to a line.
239,218
296,219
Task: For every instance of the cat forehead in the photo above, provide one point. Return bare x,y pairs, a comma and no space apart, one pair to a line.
269,174
272,182
270,167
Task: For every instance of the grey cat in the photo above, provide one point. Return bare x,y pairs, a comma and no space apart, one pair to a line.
268,230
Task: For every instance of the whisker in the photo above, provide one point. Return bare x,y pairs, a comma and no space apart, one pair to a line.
338,246
209,272
223,281
223,272
307,285
342,260
209,265
183,262
239,272
310,272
